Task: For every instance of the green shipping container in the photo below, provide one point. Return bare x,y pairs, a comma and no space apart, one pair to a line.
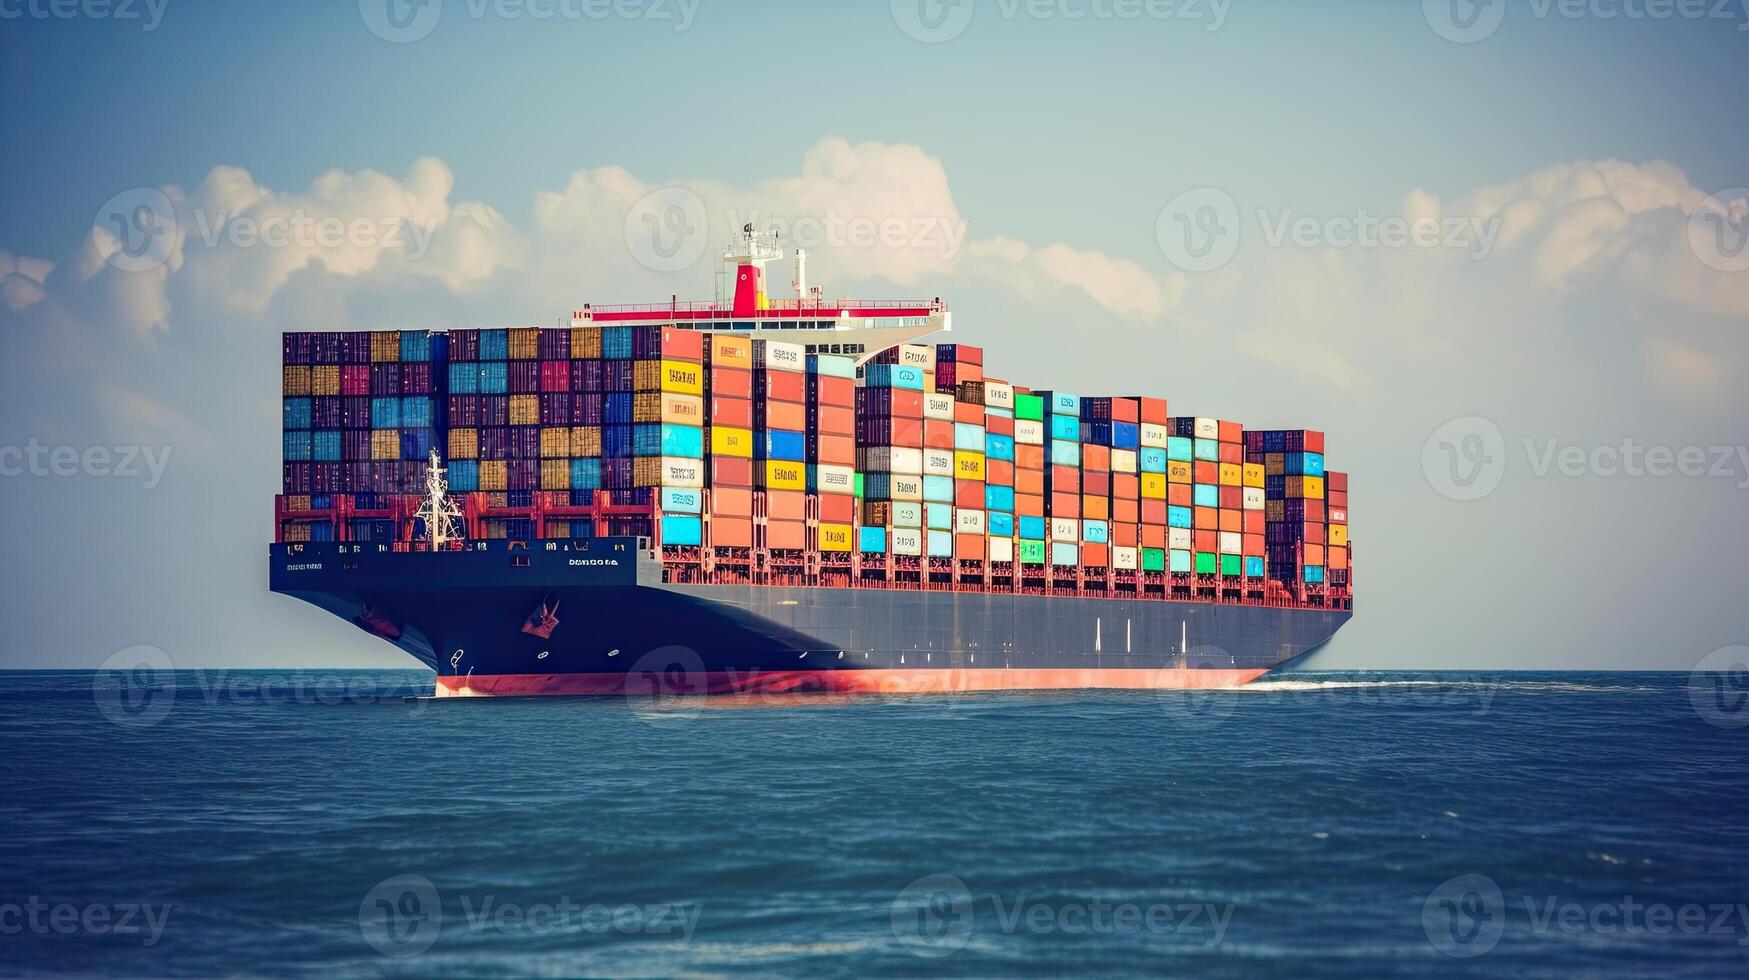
1032,552
858,490
1205,563
1232,565
1029,407
1153,559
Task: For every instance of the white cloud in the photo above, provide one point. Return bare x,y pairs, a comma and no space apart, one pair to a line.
21,279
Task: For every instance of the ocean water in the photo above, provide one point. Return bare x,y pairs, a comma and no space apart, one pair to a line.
270,823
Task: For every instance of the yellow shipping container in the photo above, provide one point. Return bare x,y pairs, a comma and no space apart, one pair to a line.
494,474
1232,474
728,351
647,407
647,376
555,474
296,383
1153,486
325,379
968,465
1275,509
385,444
647,471
835,537
782,474
730,441
524,343
464,443
585,343
682,409
1253,476
585,441
524,409
385,346
298,502
1274,464
1178,471
555,443
1338,535
682,378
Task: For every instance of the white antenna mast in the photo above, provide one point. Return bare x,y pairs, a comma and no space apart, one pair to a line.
440,514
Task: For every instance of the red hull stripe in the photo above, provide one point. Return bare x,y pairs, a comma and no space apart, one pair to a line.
895,681
771,313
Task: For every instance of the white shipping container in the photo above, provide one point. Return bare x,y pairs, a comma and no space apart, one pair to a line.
937,462
1123,460
907,487
907,514
1230,543
780,356
834,479
937,406
998,394
1001,549
1337,515
1178,538
1063,529
1029,433
917,356
1253,498
968,521
1154,436
678,471
1123,558
893,459
907,541
1207,428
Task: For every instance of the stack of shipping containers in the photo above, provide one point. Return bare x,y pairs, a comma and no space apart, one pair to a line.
927,470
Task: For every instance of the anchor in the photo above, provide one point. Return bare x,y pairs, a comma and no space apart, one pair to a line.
543,621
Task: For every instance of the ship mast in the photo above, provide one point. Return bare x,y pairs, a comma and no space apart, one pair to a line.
440,513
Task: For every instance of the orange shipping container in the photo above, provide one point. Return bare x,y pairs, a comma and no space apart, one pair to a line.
682,345
1205,517
836,450
1154,410
1179,494
789,416
1126,486
835,391
786,534
1153,512
1123,533
785,386
1066,505
731,532
837,508
1153,536
731,351
835,421
731,502
1095,555
968,494
727,471
1029,457
1125,512
908,434
786,505
968,547
1252,544
1232,520
1029,482
1254,521
968,413
737,412
1095,457
1029,504
1205,540
998,472
1231,432
1232,453
1338,558
1095,508
1065,478
1096,483
1206,472
1314,554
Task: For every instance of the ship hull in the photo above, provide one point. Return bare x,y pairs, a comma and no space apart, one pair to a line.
615,628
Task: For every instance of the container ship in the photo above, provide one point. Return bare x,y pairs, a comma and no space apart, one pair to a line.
771,495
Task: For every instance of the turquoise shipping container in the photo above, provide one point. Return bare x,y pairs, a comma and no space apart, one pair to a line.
682,530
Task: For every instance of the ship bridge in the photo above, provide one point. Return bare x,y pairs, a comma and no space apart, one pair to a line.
858,327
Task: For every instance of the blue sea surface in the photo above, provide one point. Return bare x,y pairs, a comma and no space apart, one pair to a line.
1356,825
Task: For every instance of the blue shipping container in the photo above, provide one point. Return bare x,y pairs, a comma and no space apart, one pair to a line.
790,446
585,474
1032,527
938,488
415,345
1001,525
296,413
998,497
464,378
968,437
1178,517
494,345
464,476
1095,532
871,539
385,413
494,378
1152,459
682,530
1178,561
416,412
1253,566
999,447
325,447
1314,574
1207,495
1066,427
894,376
682,500
939,517
683,440
940,544
298,446
1065,453
1179,448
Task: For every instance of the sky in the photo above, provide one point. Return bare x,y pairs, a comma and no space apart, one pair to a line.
1497,251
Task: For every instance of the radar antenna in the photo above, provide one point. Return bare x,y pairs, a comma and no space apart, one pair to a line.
440,513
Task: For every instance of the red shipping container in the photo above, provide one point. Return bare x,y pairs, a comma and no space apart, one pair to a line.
786,534
1335,498
1203,471
555,376
896,402
683,345
1232,498
1066,505
786,505
937,434
729,471
1126,486
1095,555
1205,517
784,386
1315,444
1335,482
1125,511
1029,504
1254,521
1232,520
1337,558
835,421
964,372
968,547
1153,536
1252,544
735,412
1153,512
961,353
731,502
1095,457
968,413
840,392
1029,481
731,532
1232,452
1096,483
1314,534
1065,478
1153,411
969,494
1126,410
1315,510
1026,457
1095,508
1205,540
1123,533
999,472
1180,494
908,433
1314,554
835,451
837,508
1231,432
